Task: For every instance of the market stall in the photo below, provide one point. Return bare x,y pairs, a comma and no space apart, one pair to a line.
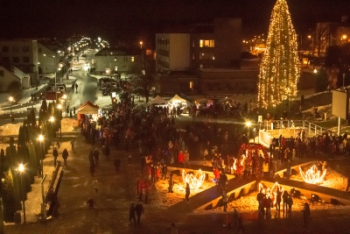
87,109
180,103
158,100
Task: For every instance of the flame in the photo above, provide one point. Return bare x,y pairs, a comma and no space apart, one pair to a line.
272,193
313,175
195,181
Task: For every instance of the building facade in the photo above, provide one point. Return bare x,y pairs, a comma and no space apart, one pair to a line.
22,54
172,52
12,78
117,61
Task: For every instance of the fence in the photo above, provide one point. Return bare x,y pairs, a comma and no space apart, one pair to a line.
288,129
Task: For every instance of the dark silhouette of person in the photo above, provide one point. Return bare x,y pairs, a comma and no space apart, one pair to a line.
132,214
139,211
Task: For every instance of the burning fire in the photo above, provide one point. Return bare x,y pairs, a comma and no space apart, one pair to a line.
272,193
195,181
313,175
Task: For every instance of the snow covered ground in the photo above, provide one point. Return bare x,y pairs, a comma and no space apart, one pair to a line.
11,129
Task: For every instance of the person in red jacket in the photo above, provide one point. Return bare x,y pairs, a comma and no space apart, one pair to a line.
216,175
180,157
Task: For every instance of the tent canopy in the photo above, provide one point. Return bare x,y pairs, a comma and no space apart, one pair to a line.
88,108
158,100
177,98
205,100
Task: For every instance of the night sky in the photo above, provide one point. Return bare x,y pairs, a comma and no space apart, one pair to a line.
115,18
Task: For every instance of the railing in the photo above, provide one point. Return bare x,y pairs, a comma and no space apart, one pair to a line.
288,128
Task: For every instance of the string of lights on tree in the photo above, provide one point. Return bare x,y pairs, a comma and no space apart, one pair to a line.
280,65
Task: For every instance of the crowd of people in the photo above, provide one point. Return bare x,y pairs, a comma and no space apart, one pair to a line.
160,143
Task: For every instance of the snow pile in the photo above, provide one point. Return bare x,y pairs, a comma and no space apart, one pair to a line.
69,125
10,129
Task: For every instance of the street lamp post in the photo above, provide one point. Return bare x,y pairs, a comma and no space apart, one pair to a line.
43,205
59,107
41,139
21,170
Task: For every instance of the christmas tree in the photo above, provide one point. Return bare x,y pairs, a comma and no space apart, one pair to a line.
280,65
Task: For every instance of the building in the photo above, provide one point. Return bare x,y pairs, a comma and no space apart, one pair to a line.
214,45
206,60
172,52
119,61
48,59
12,78
329,34
22,54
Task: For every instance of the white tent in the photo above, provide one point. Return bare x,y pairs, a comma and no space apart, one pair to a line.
88,109
177,99
159,100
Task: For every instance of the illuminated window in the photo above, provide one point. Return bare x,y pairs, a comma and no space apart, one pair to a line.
191,84
132,59
207,43
116,68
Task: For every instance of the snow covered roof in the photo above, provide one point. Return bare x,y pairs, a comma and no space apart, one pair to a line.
15,71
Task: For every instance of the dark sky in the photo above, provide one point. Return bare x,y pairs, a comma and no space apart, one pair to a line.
113,18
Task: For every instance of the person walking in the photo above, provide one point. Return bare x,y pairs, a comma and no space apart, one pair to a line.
91,203
65,156
132,214
285,200
171,183
278,199
306,214
55,155
174,229
164,171
96,156
188,192
139,211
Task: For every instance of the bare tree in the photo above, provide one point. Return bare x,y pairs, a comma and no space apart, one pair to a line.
142,80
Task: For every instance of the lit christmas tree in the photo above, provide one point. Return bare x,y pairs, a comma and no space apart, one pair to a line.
280,65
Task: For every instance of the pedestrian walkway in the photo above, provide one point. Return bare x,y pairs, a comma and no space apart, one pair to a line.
211,197
325,194
35,196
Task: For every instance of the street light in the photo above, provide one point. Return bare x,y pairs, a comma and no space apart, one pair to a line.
248,124
141,44
11,100
21,170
